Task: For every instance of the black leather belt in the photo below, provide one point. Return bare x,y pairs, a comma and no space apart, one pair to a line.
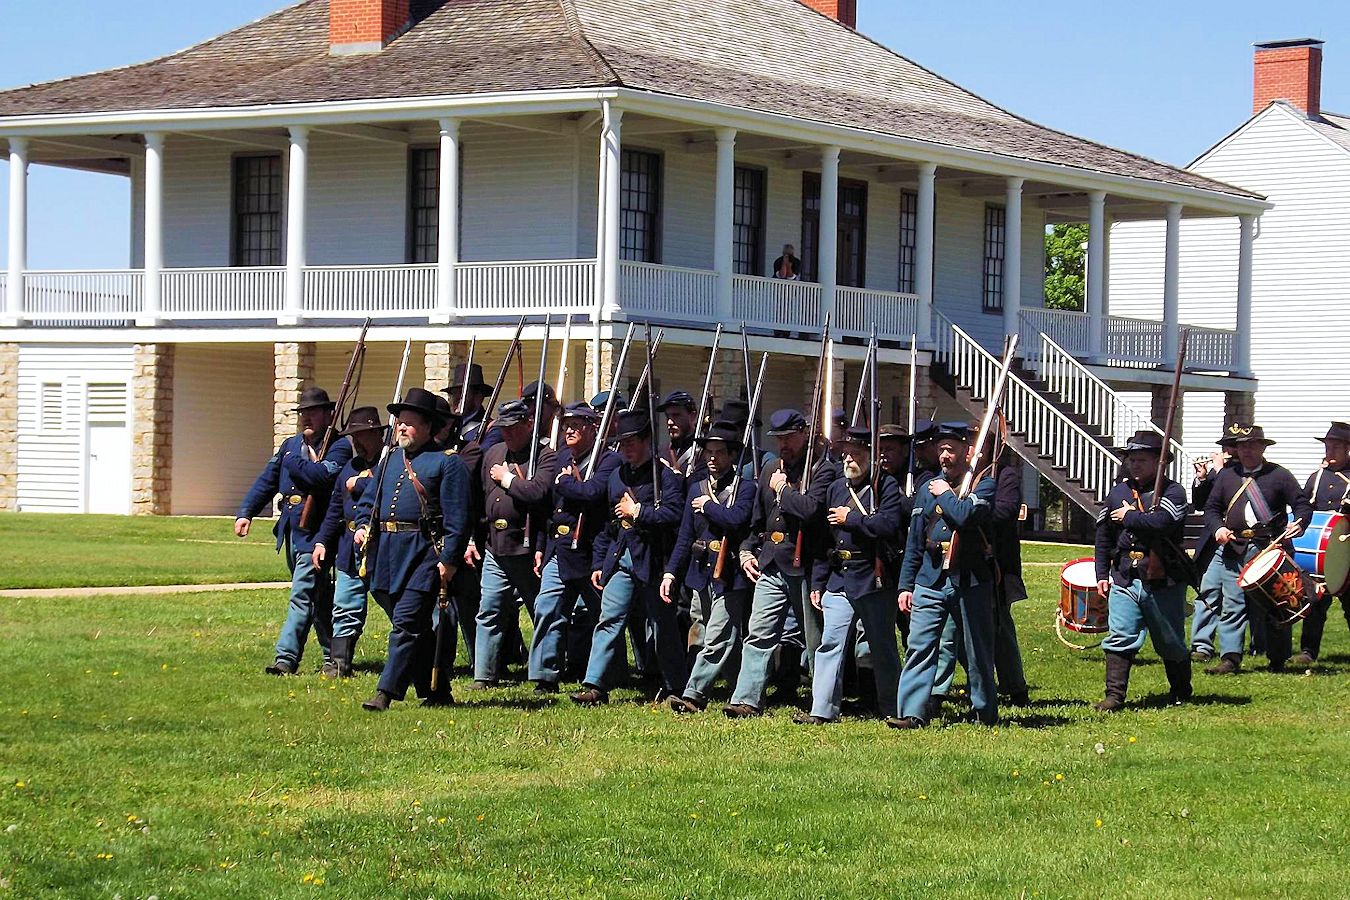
396,527
708,546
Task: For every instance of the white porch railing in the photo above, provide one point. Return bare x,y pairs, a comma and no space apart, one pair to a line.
1127,342
675,291
776,303
1068,446
1100,406
347,291
1070,330
1133,342
524,287
1211,349
87,297
223,293
857,310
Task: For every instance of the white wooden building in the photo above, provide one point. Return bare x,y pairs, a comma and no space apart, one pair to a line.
455,166
1298,156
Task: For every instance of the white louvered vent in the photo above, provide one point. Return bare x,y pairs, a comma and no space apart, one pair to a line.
108,403
51,414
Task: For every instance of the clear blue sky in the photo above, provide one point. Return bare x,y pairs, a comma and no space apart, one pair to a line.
1162,79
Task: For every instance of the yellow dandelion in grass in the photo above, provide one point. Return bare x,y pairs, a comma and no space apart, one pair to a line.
1059,776
1016,773
481,817
693,815
20,785
318,882
116,673
308,879
1133,739
1097,823
735,813
923,796
103,856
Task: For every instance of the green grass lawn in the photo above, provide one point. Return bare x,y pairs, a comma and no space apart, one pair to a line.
57,551
143,752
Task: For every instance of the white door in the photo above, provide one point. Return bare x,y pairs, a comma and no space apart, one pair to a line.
108,473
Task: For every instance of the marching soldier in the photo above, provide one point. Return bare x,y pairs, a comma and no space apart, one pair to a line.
515,505
681,413
415,519
716,520
1205,621
297,473
1139,570
1329,490
948,572
561,638
1248,510
850,581
629,558
366,432
479,391
782,512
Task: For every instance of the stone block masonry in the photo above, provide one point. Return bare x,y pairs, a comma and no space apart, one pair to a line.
293,372
152,429
9,426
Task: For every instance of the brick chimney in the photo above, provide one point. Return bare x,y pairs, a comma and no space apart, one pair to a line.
845,11
365,26
1291,71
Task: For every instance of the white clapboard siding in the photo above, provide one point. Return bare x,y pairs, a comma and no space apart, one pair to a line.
357,202
197,193
53,418
1300,283
518,196
222,437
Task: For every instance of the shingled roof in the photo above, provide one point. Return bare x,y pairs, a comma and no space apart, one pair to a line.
777,56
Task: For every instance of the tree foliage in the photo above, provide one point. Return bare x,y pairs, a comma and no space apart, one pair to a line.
1065,260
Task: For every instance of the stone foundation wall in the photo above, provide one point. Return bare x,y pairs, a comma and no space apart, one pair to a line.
293,367
9,426
152,429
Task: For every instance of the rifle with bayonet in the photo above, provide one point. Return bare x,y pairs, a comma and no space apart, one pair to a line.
534,429
602,436
355,367
390,440
700,425
490,409
749,390
556,427
736,477
813,423
1155,567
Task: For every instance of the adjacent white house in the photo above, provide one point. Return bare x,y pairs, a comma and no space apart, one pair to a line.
446,167
1298,156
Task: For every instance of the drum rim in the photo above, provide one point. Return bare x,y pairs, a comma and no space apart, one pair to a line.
1340,553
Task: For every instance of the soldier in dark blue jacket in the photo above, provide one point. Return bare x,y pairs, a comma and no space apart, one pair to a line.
296,473
1328,489
365,431
850,582
716,520
561,636
416,512
1131,528
629,558
1248,510
938,582
1205,622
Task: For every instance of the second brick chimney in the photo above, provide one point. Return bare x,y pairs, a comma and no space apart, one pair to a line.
845,11
1291,71
365,26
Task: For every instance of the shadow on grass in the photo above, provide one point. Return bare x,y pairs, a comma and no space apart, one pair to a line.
528,704
1160,700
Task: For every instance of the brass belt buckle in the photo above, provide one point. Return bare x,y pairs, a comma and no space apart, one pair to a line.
777,537
625,524
564,530
1248,533
844,555
715,546
500,524
946,546
351,526
295,499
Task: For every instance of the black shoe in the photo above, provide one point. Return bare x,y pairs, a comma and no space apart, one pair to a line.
590,696
545,688
905,723
1276,665
378,703
933,708
1021,698
280,667
1179,680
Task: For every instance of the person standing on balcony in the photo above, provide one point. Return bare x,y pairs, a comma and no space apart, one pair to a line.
1329,490
716,520
629,558
333,543
788,267
782,619
479,391
296,472
515,504
1247,511
1140,571
1209,600
948,572
562,629
415,517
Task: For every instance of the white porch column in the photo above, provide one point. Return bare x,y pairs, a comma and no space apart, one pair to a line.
1242,344
1172,284
294,312
724,253
447,224
611,145
827,243
1096,272
1012,258
18,230
923,248
154,229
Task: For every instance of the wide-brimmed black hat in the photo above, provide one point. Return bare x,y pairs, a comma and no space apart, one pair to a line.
959,431
857,436
582,410
677,398
313,398
1142,441
418,400
363,418
894,433
786,421
475,379
1339,431
444,409
633,423
724,432
1239,433
513,412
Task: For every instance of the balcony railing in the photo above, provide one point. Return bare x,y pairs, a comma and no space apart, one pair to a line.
1126,342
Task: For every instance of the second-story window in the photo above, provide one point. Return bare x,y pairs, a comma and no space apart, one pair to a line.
748,225
424,165
995,248
258,209
640,206
909,239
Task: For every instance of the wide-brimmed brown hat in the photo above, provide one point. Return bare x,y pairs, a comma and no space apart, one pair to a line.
1339,431
1238,433
363,418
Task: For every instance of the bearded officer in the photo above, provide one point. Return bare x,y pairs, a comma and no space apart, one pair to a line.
297,473
416,513
1139,571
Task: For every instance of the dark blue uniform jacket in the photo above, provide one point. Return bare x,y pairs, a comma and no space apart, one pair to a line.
291,474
